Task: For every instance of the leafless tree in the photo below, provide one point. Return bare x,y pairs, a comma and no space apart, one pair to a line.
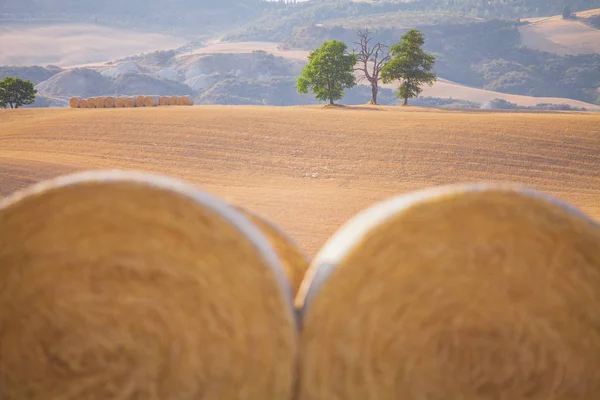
371,58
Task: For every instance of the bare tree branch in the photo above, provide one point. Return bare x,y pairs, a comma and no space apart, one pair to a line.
371,59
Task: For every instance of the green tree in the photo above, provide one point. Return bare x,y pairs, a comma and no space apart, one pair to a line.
329,71
409,64
15,92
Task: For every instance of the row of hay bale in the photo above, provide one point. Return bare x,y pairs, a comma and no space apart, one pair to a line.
475,292
130,101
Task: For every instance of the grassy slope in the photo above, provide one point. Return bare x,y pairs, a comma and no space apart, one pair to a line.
309,168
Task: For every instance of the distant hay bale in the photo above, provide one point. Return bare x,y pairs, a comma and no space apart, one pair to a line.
91,102
83,103
100,102
295,263
151,101
129,102
139,101
74,102
164,101
468,292
144,286
186,101
174,101
119,102
109,102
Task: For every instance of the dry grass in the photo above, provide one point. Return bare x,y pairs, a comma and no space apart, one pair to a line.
306,168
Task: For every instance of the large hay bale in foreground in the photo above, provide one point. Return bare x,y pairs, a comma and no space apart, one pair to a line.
74,102
109,102
186,101
164,101
174,101
100,102
83,103
139,101
294,261
91,102
124,285
151,101
128,102
119,102
474,293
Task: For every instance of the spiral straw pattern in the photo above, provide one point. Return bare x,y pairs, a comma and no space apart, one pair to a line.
467,292
119,285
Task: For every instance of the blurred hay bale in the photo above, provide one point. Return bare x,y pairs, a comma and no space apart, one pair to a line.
74,102
83,103
129,102
186,101
100,102
119,102
91,102
164,101
295,263
174,101
139,101
477,292
151,101
109,102
143,285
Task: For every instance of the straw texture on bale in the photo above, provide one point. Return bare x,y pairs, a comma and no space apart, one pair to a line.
83,103
100,102
473,293
128,102
91,102
74,102
174,101
295,263
139,101
186,101
109,102
128,286
119,103
151,101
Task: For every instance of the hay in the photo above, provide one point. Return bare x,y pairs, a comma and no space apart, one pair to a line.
74,102
174,101
474,293
125,286
294,262
129,102
100,102
151,101
186,101
83,103
164,101
119,102
109,102
139,101
91,102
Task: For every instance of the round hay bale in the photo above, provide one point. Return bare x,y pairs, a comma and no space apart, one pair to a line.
151,101
466,292
74,102
186,101
129,102
83,103
295,263
119,102
91,102
139,101
164,101
174,101
100,102
109,102
124,285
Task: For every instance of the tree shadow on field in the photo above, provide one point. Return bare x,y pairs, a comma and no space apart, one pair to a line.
367,107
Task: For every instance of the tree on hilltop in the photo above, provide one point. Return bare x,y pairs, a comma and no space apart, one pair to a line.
15,92
329,71
370,60
410,65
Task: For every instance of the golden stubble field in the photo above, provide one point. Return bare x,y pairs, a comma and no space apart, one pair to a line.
309,169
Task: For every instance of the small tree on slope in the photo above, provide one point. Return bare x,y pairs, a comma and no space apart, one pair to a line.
328,72
409,64
15,92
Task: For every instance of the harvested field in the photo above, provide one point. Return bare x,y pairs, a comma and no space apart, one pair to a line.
309,169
